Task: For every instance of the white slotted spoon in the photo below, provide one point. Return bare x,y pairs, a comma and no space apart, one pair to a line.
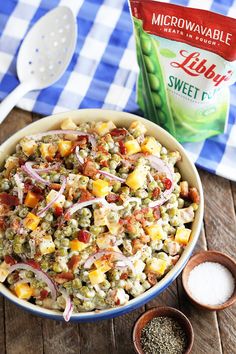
44,55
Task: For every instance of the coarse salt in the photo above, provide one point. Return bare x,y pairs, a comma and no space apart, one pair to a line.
211,283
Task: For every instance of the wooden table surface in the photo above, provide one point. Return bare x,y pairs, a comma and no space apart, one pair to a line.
215,333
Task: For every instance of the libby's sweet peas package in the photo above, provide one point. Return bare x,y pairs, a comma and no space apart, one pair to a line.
187,61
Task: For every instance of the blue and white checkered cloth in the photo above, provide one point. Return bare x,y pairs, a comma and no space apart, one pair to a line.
103,70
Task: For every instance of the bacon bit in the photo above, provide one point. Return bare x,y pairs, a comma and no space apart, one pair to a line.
112,198
43,294
123,149
58,211
145,238
124,276
55,186
73,262
21,161
89,169
83,236
137,245
194,195
156,192
85,195
2,224
184,189
118,132
102,149
117,302
152,279
4,210
50,158
175,259
104,163
156,213
9,260
33,264
64,277
28,186
81,141
8,199
167,183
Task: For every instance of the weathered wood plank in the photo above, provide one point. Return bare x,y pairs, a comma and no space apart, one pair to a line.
23,331
15,121
233,187
2,326
169,297
123,327
97,337
60,337
207,337
220,226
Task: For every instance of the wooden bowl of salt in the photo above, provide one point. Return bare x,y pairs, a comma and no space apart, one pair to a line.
209,279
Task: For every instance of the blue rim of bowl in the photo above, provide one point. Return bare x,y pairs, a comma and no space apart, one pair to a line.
139,300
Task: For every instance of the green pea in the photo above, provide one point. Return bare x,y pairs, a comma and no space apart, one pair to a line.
146,45
147,201
116,187
9,233
67,231
5,184
154,82
58,234
157,99
149,64
96,230
45,226
161,116
56,268
180,203
17,248
23,212
49,217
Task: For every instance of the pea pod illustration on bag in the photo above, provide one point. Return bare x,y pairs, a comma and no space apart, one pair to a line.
187,60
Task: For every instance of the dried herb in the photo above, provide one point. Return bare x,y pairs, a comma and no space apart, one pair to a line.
163,335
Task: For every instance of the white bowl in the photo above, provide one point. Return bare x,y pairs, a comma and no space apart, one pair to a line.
188,172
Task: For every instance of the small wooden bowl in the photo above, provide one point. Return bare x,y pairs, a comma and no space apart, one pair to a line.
209,256
167,312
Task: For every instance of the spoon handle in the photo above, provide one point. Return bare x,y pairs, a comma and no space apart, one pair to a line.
10,101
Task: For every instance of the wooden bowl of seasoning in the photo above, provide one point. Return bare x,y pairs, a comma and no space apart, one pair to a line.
163,329
209,280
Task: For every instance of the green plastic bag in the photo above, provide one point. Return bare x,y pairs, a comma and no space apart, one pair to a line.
187,60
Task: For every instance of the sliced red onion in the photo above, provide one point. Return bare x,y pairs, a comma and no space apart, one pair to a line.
27,167
69,306
83,298
20,187
47,169
111,176
119,256
40,274
79,158
60,192
80,205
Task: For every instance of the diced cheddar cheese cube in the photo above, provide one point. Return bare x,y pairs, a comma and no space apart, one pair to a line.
48,150
132,147
137,125
156,232
157,266
31,199
96,276
68,124
182,235
47,245
100,188
102,265
151,146
76,245
103,128
23,291
65,147
137,178
31,221
28,147
52,195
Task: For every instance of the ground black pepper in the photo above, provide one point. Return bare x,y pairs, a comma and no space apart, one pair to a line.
163,335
